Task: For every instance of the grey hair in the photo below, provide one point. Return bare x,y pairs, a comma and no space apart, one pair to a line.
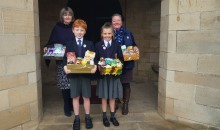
64,11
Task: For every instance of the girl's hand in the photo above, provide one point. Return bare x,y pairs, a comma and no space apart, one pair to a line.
67,71
45,49
94,69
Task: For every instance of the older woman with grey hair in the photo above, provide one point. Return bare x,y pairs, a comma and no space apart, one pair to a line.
62,33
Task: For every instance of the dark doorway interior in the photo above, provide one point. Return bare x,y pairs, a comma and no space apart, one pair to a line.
95,13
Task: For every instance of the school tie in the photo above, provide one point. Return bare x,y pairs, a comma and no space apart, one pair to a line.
108,45
80,42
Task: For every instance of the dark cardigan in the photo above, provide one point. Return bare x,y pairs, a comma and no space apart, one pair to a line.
61,34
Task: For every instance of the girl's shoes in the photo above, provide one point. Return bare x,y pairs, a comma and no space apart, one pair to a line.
106,122
114,121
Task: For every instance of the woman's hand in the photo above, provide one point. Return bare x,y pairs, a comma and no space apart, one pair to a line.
136,49
45,49
94,69
66,70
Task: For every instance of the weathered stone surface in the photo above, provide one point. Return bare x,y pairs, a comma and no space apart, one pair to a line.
209,64
20,64
182,62
2,66
18,22
11,81
32,77
197,112
16,128
208,96
198,42
18,96
184,21
167,74
4,102
14,117
12,45
180,91
186,6
211,81
210,20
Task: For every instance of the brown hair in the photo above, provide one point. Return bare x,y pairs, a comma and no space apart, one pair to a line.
80,23
64,11
108,25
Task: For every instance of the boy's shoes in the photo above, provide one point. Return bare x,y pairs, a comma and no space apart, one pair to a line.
88,121
76,124
106,122
114,121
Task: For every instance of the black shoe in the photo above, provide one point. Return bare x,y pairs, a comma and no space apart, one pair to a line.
89,124
114,121
68,113
106,122
76,124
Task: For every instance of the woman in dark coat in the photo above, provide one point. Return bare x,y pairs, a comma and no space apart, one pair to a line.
62,33
124,37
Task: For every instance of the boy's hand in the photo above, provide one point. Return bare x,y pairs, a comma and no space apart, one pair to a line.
94,69
67,71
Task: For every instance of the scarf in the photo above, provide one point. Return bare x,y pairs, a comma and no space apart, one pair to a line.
119,35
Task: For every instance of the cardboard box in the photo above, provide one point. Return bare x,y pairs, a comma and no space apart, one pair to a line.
131,55
80,69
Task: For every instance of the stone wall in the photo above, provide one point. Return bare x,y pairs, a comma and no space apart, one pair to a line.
143,20
189,75
20,75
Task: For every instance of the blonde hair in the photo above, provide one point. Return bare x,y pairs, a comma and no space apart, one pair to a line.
108,25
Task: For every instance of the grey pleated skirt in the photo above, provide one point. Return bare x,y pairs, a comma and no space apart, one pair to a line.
80,85
109,87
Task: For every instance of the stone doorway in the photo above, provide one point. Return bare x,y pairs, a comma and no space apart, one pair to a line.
146,34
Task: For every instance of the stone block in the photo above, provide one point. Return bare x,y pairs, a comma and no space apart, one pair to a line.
2,66
211,81
20,64
34,110
16,128
198,42
163,41
209,64
32,77
21,4
4,102
171,43
1,21
14,117
208,96
154,57
167,74
144,66
189,21
186,6
164,7
169,106
31,125
210,5
162,59
22,95
180,91
182,62
173,6
164,23
18,22
210,20
11,81
30,44
12,45
198,113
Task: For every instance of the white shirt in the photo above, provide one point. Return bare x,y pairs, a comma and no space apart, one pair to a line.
106,43
79,39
